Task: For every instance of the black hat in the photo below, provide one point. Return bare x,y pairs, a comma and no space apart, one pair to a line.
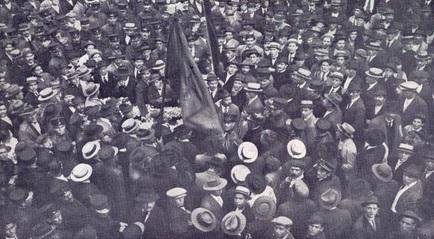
256,183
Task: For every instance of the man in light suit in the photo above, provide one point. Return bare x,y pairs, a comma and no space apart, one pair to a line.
213,200
30,129
410,192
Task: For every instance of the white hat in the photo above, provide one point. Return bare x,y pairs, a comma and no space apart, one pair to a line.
176,192
215,184
239,173
248,152
81,172
243,190
129,125
46,94
90,149
284,221
409,85
296,149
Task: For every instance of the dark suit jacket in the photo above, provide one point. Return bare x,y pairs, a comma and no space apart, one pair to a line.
178,221
417,106
362,229
409,198
106,87
128,91
153,228
28,133
367,158
392,141
211,204
355,115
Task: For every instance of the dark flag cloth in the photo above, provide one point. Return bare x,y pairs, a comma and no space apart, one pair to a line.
198,110
212,38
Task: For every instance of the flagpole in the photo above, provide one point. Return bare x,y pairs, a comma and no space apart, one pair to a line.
208,42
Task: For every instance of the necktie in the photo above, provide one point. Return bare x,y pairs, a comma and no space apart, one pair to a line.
373,224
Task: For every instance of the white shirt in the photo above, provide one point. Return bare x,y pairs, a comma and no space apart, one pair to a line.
267,192
327,113
377,109
347,84
399,194
37,127
371,86
352,102
407,102
218,199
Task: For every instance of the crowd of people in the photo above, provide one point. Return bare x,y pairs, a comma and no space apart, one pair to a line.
326,108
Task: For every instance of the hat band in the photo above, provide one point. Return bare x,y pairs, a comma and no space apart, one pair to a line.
91,152
127,129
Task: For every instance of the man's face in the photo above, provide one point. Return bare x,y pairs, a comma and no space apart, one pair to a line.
407,180
226,101
325,66
57,217
245,69
212,85
33,87
217,192
250,41
280,231
228,126
371,210
292,47
407,225
232,69
340,44
265,81
274,52
254,58
281,67
295,172
238,85
417,123
336,82
148,206
60,129
326,42
322,173
179,202
239,200
340,60
11,228
379,99
3,111
305,112
408,94
112,19
314,229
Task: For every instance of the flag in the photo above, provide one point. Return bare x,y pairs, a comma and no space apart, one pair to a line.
212,39
197,106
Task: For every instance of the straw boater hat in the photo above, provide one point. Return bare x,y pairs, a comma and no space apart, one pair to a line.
253,87
46,94
247,152
375,73
233,223
81,172
239,173
215,184
346,129
176,192
296,149
203,220
91,89
90,149
129,126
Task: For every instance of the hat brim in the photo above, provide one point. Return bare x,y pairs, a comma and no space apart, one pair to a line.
215,188
241,226
234,171
270,213
374,169
41,98
343,131
98,147
93,92
298,156
330,206
194,220
244,159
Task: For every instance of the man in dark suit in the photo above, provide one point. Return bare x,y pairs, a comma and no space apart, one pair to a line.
30,129
106,81
354,113
213,200
402,161
412,103
368,225
379,106
151,215
225,106
180,225
126,85
373,84
411,191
